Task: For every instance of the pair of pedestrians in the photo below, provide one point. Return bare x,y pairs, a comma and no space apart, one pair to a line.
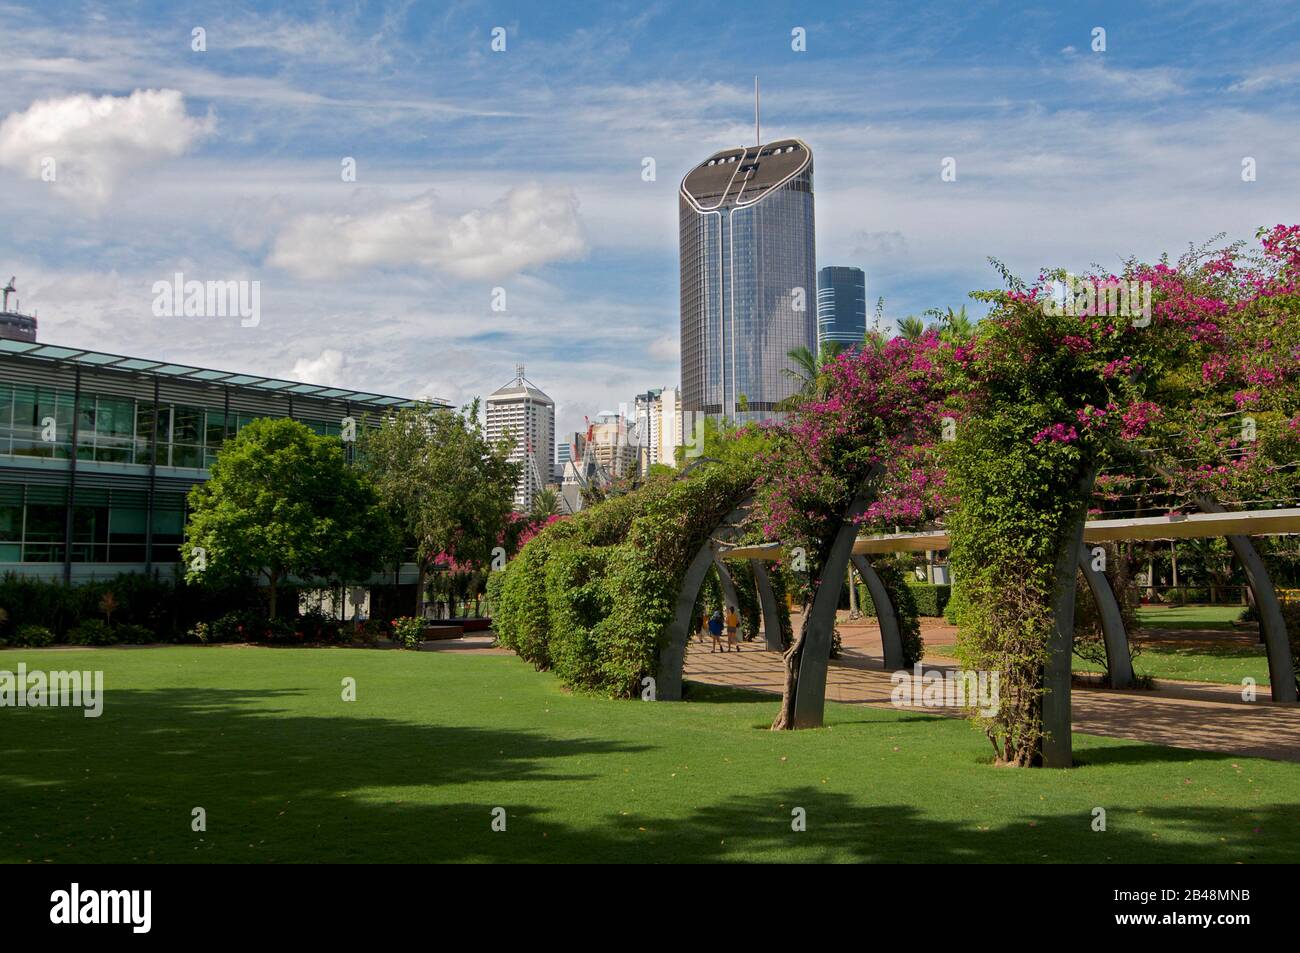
731,622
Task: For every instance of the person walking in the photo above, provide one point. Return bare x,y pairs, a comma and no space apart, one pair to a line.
715,630
733,629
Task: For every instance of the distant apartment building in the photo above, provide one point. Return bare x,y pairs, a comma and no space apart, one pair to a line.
647,420
841,306
657,427
521,412
613,446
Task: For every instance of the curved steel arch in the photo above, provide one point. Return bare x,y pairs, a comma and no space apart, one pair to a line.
1272,625
891,637
1119,660
672,654
773,637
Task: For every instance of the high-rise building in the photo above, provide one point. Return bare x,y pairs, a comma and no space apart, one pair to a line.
613,447
646,412
841,305
522,412
748,277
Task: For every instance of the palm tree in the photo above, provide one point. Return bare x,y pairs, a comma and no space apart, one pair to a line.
546,503
911,327
809,372
957,327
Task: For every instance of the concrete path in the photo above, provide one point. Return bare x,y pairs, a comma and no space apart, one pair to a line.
1181,714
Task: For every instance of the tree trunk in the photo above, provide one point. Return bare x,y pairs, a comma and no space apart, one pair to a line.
790,659
275,588
419,592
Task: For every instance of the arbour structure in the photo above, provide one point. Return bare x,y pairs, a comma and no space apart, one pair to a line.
847,547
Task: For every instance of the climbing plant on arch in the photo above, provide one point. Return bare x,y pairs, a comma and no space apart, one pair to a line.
1049,396
593,597
848,459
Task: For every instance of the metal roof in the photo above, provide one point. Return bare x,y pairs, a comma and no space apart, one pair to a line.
139,365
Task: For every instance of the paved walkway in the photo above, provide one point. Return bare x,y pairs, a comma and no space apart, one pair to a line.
1182,714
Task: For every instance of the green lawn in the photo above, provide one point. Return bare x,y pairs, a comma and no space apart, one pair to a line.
1188,617
287,771
1197,661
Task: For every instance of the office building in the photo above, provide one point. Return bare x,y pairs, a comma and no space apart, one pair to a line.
748,278
98,451
841,306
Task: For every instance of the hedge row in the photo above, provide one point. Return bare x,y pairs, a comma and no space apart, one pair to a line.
590,597
143,608
931,598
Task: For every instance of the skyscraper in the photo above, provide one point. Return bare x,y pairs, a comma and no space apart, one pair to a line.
748,277
841,305
527,415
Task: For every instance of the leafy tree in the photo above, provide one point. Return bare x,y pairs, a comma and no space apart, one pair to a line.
281,501
447,487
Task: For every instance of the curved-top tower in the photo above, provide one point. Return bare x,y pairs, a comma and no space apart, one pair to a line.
749,277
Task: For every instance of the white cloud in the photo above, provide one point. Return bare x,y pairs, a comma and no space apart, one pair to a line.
94,141
665,347
529,226
325,369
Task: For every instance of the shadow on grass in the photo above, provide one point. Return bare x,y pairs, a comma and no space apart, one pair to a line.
283,786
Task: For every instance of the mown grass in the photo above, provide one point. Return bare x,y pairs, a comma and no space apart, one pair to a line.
412,770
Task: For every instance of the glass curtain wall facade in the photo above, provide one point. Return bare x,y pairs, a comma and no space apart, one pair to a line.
841,306
748,278
141,441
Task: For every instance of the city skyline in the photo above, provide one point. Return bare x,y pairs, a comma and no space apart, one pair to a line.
525,169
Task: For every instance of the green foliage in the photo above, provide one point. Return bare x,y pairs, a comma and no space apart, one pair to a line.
92,632
592,595
446,488
281,501
907,597
577,601
35,636
408,632
931,598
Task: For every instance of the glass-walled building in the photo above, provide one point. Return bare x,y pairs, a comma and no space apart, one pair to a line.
748,278
98,451
841,306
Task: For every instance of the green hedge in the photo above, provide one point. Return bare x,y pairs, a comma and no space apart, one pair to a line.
145,608
931,598
591,596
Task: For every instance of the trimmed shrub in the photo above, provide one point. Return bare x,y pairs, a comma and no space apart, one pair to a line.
34,636
131,634
92,632
624,560
931,598
577,602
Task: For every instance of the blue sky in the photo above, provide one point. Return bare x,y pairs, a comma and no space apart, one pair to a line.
521,170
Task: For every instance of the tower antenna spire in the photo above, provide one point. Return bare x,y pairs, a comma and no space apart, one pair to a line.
758,129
